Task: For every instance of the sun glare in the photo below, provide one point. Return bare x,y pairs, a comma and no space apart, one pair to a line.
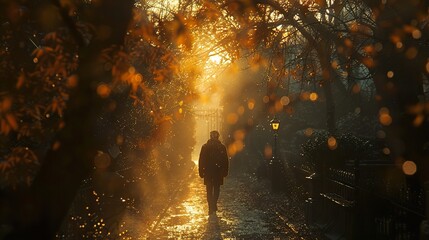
216,59
208,108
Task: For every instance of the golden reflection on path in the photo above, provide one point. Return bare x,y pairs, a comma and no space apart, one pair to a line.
186,216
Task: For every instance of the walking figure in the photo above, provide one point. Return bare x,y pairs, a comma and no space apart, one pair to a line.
213,167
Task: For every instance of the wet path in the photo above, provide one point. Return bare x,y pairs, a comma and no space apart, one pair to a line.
185,216
243,214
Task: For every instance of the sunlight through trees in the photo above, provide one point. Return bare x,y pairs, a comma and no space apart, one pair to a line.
127,78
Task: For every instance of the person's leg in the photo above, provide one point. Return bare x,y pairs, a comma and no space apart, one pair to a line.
216,192
210,196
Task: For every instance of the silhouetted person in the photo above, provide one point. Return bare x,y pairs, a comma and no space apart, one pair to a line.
213,167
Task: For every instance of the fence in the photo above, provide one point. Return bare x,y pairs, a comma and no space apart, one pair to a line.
362,201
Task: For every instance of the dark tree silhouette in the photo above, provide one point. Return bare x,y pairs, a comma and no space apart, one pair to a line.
43,207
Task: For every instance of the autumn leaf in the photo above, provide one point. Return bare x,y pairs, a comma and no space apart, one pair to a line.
48,49
5,128
6,104
72,81
179,31
21,80
148,33
51,36
12,121
38,52
54,105
24,131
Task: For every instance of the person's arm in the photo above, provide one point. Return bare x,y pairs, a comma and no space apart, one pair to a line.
201,162
225,163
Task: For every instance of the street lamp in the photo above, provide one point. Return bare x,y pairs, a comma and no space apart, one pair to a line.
275,163
275,124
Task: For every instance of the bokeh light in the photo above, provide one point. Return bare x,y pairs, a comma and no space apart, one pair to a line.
232,118
268,151
240,110
384,117
72,81
381,134
332,143
251,104
418,120
386,151
102,160
308,132
305,96
314,96
285,100
103,90
356,89
409,167
266,99
411,53
417,34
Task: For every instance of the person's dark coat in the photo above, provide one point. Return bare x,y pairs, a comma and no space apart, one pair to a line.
213,162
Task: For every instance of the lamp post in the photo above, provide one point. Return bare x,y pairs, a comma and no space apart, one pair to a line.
275,164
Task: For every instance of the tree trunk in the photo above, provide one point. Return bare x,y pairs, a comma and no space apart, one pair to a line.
328,76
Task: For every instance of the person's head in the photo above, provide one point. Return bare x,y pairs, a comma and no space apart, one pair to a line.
214,135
